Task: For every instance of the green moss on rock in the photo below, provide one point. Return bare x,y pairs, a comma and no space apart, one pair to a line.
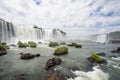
96,57
5,45
32,44
61,50
75,45
53,44
78,46
118,49
63,43
22,45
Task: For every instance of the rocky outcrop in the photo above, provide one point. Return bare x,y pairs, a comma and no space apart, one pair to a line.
28,55
90,59
52,62
96,59
116,50
2,50
55,76
101,54
61,50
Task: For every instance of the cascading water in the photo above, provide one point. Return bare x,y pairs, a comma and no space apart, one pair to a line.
101,38
13,34
7,32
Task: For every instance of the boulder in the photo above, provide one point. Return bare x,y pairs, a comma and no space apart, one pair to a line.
53,44
28,55
75,45
55,76
63,43
61,50
96,59
116,50
52,62
101,54
2,50
32,44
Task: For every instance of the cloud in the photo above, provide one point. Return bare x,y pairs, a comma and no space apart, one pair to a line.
76,17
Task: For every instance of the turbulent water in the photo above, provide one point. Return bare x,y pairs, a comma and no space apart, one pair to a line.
74,65
10,33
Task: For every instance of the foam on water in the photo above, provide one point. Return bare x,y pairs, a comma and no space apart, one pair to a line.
96,74
118,58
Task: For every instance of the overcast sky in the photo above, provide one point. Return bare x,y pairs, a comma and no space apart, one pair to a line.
77,17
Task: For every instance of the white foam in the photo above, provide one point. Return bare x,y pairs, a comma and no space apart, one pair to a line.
118,58
96,74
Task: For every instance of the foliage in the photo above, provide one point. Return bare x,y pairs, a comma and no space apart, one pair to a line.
53,44
32,44
96,57
22,45
78,46
61,50
118,49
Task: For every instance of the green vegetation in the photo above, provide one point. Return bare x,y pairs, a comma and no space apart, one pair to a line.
76,45
53,44
32,44
61,50
118,49
3,44
63,43
22,45
96,57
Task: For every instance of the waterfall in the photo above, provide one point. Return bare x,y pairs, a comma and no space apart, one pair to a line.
10,33
6,31
101,38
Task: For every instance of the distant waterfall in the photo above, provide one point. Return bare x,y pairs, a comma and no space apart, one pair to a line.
12,34
102,38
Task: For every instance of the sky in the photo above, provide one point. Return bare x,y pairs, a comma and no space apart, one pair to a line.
79,18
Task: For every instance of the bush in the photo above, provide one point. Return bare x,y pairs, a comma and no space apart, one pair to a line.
53,44
22,45
96,57
118,49
32,44
63,43
61,50
5,45
78,46
75,45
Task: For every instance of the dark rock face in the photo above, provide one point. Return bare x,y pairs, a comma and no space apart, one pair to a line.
55,76
2,51
103,61
101,54
28,55
52,62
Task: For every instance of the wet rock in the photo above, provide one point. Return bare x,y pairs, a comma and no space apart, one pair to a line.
101,54
37,55
116,50
13,45
92,60
28,55
2,50
55,76
52,62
